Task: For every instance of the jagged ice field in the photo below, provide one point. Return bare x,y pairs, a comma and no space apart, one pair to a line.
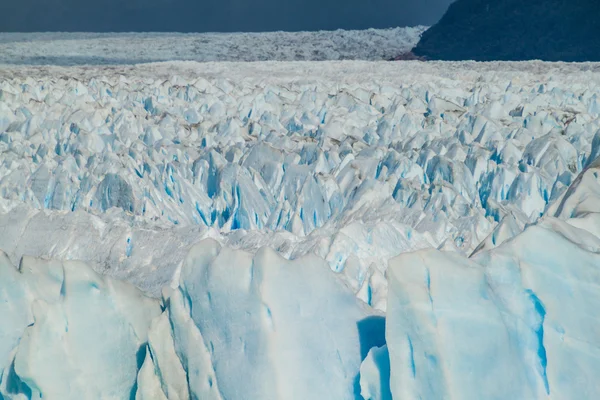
300,230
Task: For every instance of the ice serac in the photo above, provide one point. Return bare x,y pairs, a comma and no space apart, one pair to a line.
375,375
249,327
129,169
528,308
78,334
508,228
137,164
131,250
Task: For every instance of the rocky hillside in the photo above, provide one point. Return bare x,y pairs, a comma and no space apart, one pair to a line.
486,30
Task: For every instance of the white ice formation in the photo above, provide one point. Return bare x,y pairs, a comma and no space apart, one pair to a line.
260,205
129,48
515,322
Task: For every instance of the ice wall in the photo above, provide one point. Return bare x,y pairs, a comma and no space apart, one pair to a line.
68,332
515,321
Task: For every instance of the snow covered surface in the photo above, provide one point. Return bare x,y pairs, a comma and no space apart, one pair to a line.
284,220
132,48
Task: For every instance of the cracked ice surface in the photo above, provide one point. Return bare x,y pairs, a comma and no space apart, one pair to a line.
527,306
257,201
516,321
356,162
63,48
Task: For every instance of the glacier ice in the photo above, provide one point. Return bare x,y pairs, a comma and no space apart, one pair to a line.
375,375
526,309
513,321
299,230
237,326
249,327
355,162
68,332
64,48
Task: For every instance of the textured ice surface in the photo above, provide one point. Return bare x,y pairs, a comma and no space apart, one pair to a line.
526,308
263,327
256,202
132,48
356,162
237,326
68,332
516,321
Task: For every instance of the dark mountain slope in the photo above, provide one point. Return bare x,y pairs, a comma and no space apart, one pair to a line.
486,30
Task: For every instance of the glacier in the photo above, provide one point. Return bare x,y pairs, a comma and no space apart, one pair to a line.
527,308
299,230
298,157
77,48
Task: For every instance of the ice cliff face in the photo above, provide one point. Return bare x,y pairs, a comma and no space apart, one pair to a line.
68,332
237,326
263,327
527,308
516,321
261,214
